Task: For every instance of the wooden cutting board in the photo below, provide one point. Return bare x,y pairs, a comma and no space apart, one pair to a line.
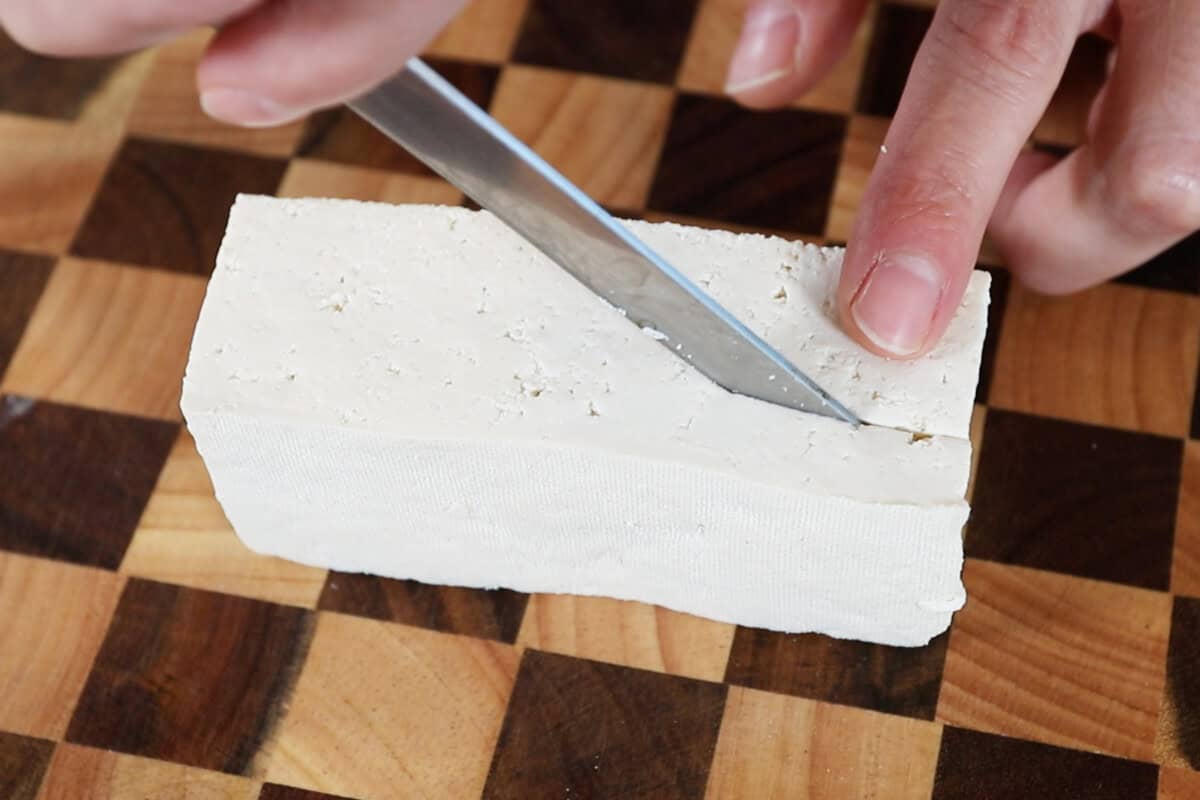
144,652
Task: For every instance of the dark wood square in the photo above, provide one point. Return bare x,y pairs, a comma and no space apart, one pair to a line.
165,205
22,279
190,676
1176,269
1183,679
899,31
48,87
765,169
342,136
1195,434
988,767
73,481
642,40
275,791
23,763
991,340
895,680
495,614
1080,499
604,731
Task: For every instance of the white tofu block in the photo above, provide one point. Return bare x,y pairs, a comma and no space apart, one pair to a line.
416,392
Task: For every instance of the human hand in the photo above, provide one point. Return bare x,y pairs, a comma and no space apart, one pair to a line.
271,61
952,158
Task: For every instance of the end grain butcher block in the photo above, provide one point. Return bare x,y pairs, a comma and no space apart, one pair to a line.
416,392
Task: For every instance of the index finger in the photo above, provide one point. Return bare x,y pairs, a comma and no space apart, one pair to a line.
980,82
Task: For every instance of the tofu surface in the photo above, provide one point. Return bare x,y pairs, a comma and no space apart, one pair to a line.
414,391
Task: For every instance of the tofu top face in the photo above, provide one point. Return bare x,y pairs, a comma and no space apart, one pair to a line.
442,324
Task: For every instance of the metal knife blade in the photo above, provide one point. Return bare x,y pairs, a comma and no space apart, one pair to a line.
431,119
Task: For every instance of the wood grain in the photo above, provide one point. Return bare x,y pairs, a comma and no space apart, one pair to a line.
864,136
1185,566
894,680
979,765
73,482
388,710
49,172
1079,499
37,85
311,178
189,676
52,620
23,277
165,205
485,614
1178,784
184,538
1178,740
484,31
773,747
770,169
639,40
978,426
715,34
109,337
604,135
84,772
168,106
1119,356
23,762
632,634
603,730
276,791
1057,659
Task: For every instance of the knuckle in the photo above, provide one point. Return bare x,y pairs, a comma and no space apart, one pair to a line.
1155,190
940,196
1018,40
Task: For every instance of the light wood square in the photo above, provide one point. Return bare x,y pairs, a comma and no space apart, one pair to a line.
111,337
84,772
1119,356
168,106
864,136
775,746
1175,783
183,538
49,172
604,135
52,619
310,178
715,35
386,710
1185,565
484,31
1057,659
627,633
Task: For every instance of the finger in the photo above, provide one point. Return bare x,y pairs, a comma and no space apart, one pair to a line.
1134,189
786,46
103,27
980,82
293,56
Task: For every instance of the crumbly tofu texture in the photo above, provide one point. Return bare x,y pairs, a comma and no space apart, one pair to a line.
416,392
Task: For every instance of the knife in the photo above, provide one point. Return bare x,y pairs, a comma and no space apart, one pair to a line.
423,113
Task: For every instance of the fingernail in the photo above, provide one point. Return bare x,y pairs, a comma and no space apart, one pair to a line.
240,107
767,48
896,302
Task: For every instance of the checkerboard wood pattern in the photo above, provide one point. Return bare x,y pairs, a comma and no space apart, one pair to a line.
144,652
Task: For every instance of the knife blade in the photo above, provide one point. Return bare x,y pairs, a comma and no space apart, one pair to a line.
425,114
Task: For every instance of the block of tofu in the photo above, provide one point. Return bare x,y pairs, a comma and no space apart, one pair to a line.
415,392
